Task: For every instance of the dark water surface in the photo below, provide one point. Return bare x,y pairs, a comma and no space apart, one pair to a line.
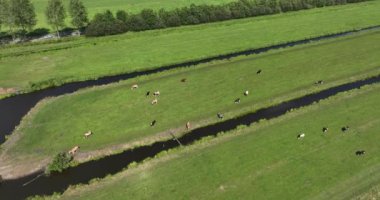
13,109
83,173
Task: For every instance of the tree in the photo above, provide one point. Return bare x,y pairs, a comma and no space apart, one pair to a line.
8,17
105,24
23,14
136,23
4,7
55,14
150,18
78,14
169,18
286,5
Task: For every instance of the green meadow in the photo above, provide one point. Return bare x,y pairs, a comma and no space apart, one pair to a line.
118,115
265,160
50,64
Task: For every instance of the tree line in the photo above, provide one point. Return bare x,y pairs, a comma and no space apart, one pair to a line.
107,24
20,17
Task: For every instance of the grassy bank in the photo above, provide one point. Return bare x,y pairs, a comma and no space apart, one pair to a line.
134,6
371,194
47,64
266,160
117,115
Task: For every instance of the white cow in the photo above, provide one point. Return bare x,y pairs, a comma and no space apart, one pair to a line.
87,134
301,135
156,93
135,86
155,101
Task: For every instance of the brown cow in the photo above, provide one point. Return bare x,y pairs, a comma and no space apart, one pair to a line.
74,150
188,125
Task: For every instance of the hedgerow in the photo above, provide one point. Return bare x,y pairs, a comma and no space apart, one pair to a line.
148,19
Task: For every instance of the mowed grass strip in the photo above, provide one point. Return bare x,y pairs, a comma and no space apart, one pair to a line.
268,162
132,6
370,194
117,114
91,58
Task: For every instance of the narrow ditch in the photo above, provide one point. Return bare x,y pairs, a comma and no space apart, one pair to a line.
14,108
83,173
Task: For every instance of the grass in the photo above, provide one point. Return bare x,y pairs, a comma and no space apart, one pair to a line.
116,114
265,161
132,6
372,194
152,49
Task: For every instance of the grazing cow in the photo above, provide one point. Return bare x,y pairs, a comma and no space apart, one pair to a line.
74,150
87,134
237,100
360,153
183,80
155,101
147,93
325,129
320,82
153,123
345,128
188,125
259,71
246,93
135,86
156,93
220,115
300,136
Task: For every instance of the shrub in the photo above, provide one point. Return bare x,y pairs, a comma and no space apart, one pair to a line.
122,16
151,19
60,162
38,32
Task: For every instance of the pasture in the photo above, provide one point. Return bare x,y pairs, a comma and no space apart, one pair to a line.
131,6
118,115
266,160
82,59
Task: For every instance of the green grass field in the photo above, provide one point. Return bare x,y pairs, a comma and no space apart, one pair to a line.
132,6
118,115
80,59
266,161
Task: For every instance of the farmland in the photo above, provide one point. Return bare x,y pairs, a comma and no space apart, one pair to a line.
152,49
249,108
251,162
106,110
132,6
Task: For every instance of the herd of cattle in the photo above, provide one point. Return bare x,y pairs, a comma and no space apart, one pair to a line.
344,129
156,94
